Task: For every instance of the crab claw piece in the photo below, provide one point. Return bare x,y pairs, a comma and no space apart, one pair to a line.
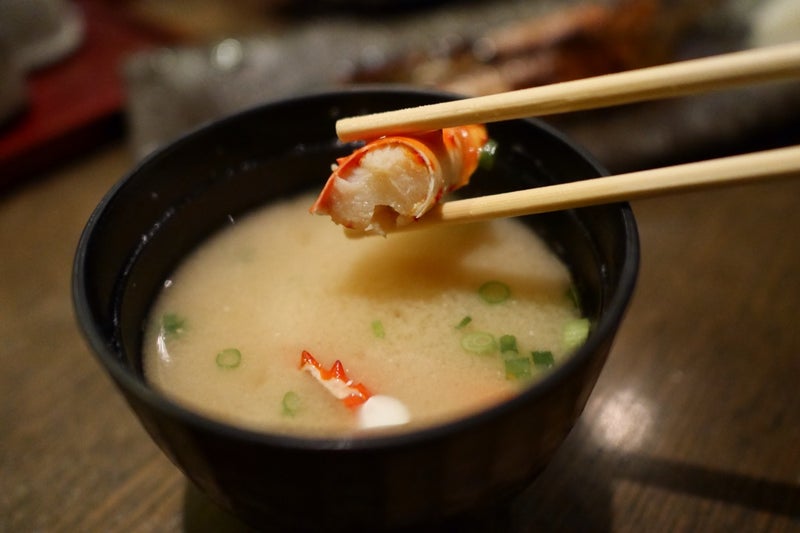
335,380
394,180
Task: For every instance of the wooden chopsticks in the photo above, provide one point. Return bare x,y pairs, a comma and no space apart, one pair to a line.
736,69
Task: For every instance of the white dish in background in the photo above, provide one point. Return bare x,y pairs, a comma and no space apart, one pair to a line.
40,32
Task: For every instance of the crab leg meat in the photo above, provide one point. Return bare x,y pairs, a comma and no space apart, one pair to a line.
394,180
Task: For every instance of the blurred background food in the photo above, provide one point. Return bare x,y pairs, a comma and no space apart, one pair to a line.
168,65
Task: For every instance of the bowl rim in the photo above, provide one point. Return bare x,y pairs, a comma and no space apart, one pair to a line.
602,330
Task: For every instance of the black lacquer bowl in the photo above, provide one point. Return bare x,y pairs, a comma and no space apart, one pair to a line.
176,198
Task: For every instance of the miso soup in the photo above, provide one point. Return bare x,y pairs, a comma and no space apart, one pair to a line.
442,322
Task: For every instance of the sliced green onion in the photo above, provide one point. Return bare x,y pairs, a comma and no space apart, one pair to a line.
487,154
173,325
494,292
574,296
575,333
508,343
464,321
543,359
479,342
229,358
377,329
518,367
290,404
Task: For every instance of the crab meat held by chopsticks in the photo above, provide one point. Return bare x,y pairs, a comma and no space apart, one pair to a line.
394,180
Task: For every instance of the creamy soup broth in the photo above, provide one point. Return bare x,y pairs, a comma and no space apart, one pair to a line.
394,310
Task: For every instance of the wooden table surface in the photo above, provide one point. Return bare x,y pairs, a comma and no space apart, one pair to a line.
694,424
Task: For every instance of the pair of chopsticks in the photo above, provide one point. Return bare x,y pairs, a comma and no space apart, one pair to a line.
774,63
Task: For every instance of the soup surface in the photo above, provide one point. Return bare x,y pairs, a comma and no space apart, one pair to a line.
444,321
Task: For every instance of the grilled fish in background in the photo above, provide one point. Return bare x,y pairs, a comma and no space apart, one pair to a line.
577,41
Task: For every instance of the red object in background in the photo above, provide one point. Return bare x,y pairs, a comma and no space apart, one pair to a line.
75,104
